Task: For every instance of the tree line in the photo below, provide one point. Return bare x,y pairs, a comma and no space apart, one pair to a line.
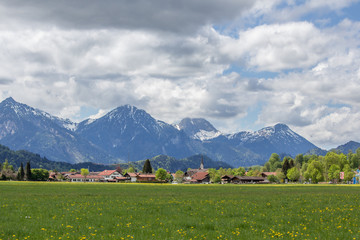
22,174
311,168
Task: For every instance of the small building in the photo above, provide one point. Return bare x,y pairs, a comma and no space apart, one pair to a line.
188,176
110,175
81,178
227,179
241,179
249,179
131,176
143,177
200,177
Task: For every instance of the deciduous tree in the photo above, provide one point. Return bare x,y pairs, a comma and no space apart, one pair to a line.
84,172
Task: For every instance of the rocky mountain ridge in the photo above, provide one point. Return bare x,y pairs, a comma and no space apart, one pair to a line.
130,134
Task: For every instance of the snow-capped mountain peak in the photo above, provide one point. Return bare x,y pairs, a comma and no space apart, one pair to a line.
198,128
20,110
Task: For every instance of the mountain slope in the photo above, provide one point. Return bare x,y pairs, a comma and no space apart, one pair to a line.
349,146
23,127
172,164
130,133
250,148
198,128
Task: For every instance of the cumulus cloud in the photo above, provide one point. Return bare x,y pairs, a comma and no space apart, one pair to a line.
279,47
322,102
170,59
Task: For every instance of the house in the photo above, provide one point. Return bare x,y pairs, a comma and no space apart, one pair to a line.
122,179
140,177
145,177
227,179
188,176
110,175
200,177
241,179
248,179
131,176
81,178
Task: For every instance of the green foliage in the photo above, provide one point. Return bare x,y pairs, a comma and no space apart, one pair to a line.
28,171
84,172
179,175
315,171
348,173
286,165
161,174
72,170
299,159
280,175
130,170
293,174
272,178
334,173
21,173
147,167
39,174
274,162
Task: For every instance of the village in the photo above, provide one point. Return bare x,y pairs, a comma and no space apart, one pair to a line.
191,176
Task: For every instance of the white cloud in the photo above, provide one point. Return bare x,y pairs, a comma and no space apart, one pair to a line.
279,47
171,63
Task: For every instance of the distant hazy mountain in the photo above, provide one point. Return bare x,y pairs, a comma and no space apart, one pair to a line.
23,127
15,158
129,134
316,151
349,146
172,164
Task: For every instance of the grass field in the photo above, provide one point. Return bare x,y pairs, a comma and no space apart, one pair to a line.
149,211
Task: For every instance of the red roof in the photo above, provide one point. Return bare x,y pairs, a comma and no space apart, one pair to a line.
88,177
121,178
199,176
132,174
147,175
107,172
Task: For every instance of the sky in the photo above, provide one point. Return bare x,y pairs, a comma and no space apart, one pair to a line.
240,64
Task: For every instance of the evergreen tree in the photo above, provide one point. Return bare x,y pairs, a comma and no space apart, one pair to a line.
147,167
22,173
292,163
28,171
286,166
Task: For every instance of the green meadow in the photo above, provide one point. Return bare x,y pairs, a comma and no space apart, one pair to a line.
44,210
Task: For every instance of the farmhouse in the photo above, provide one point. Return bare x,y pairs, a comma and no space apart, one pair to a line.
189,174
140,177
200,177
110,175
81,178
241,179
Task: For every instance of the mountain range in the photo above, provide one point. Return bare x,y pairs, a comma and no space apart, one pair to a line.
130,134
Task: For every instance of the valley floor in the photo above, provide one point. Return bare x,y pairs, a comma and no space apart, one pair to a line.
45,210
